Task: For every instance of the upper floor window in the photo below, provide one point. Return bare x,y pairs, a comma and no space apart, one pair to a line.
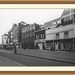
54,23
30,28
58,22
67,18
41,36
65,34
57,36
33,27
37,36
72,16
5,38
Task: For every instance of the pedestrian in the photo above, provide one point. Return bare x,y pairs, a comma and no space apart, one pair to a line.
15,49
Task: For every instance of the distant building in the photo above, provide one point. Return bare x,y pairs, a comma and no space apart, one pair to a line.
13,33
4,39
16,33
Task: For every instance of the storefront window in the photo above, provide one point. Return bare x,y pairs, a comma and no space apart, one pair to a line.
37,36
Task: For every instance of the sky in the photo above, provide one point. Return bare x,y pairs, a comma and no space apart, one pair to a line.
10,16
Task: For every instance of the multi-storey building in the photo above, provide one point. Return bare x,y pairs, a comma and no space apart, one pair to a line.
12,33
24,35
62,37
19,32
4,40
40,39
29,35
16,33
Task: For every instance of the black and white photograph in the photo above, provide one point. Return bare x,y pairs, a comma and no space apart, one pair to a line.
37,37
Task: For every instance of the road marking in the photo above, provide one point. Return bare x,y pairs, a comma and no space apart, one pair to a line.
12,61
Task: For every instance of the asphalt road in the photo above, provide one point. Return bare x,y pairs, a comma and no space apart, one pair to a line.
33,61
7,62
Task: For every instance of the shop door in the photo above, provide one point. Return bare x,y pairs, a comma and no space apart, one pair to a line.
59,46
40,46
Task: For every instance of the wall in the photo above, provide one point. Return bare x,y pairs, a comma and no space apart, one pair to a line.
51,33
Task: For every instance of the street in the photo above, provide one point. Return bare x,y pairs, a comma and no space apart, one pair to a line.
8,62
27,60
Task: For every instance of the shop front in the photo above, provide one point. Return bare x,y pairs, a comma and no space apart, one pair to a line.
61,44
65,44
40,44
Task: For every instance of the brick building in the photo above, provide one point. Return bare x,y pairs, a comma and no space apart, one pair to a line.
29,35
16,33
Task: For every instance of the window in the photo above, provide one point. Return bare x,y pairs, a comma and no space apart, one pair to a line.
37,36
41,36
57,36
5,38
72,16
33,27
30,28
67,18
72,10
54,23
58,22
65,34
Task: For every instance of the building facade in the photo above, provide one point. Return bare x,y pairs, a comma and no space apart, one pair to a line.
62,37
24,35
19,33
4,39
16,34
13,33
29,35
40,39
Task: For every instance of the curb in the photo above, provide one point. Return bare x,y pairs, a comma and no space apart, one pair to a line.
53,59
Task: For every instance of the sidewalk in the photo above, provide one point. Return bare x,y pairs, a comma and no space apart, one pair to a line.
63,56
